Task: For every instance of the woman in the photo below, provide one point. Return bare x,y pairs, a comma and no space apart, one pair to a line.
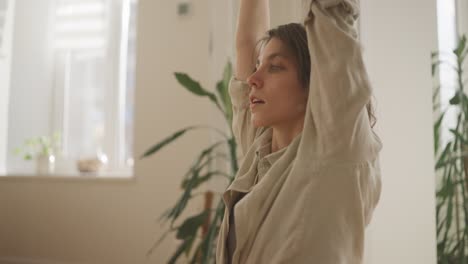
309,179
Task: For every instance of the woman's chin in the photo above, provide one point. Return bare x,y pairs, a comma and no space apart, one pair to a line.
256,122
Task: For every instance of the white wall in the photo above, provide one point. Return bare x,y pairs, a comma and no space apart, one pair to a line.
5,67
111,221
398,37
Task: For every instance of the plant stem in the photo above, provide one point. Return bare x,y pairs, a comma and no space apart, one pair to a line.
233,153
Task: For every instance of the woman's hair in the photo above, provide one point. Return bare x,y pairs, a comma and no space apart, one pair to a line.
294,37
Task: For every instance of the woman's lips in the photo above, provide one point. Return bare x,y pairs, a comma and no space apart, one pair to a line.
255,101
253,105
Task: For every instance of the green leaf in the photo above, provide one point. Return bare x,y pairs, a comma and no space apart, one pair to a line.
223,93
227,74
437,132
189,245
166,141
179,251
191,225
435,93
189,184
181,204
195,87
183,200
191,85
192,179
157,243
456,99
195,256
196,182
449,214
196,166
440,226
223,85
458,136
461,46
443,192
206,177
441,161
164,215
462,57
226,79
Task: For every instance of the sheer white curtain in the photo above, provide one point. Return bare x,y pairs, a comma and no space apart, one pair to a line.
81,32
93,85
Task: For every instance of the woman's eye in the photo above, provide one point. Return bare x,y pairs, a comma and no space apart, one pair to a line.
275,68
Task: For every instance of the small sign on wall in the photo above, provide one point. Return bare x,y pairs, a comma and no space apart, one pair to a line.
183,8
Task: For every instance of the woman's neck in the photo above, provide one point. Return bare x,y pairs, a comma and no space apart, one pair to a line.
284,134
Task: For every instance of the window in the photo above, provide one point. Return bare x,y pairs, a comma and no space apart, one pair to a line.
88,68
447,42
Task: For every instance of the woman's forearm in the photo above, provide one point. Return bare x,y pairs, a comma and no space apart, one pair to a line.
253,21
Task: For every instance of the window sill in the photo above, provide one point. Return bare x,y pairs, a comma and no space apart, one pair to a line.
102,176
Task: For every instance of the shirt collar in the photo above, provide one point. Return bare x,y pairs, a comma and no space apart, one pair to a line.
264,150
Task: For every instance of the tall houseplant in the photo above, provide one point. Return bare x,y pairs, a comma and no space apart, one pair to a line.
198,233
452,162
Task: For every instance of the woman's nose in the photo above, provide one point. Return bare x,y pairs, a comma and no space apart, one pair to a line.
254,80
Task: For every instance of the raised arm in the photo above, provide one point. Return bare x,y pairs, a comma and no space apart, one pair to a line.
339,87
253,22
333,208
337,136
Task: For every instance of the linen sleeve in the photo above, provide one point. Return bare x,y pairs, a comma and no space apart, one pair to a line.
242,127
335,212
339,87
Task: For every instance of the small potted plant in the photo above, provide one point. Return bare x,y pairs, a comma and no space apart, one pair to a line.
43,150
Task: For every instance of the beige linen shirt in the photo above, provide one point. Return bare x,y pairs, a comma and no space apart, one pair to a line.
265,159
313,202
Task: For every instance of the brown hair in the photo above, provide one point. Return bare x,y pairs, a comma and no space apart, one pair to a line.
294,36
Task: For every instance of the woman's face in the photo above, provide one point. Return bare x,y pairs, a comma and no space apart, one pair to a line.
277,97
